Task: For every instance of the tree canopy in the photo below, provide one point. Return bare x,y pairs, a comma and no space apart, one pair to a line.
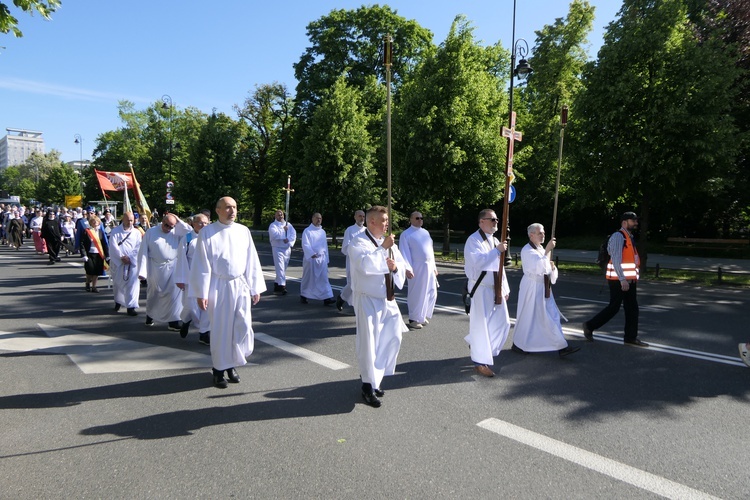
9,23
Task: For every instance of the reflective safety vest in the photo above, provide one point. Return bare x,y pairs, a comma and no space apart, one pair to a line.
630,261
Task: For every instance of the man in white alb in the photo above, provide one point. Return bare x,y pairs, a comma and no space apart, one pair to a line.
157,259
282,236
379,322
351,232
124,244
315,284
191,313
489,323
416,246
226,280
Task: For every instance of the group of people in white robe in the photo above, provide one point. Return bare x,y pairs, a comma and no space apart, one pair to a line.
209,275
538,327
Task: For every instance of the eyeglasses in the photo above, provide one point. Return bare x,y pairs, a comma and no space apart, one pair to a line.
491,218
419,218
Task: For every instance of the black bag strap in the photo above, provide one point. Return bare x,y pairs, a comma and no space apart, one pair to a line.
476,285
483,273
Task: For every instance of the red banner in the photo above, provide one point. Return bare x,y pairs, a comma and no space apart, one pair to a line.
114,181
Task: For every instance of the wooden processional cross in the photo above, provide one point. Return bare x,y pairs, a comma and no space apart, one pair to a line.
513,135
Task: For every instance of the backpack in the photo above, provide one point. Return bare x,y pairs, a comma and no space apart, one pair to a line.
602,257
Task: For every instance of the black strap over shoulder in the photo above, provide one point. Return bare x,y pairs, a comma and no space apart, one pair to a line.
483,273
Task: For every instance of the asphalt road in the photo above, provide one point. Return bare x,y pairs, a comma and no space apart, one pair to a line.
97,405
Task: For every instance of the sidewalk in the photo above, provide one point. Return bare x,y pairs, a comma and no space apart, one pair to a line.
664,261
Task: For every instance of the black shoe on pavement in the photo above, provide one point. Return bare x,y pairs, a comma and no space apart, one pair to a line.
233,376
174,326
378,392
371,399
149,321
588,333
205,338
517,349
328,302
339,303
184,329
131,311
635,342
283,290
219,380
303,299
568,350
117,307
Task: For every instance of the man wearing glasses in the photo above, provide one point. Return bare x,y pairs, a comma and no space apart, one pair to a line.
157,259
417,248
489,324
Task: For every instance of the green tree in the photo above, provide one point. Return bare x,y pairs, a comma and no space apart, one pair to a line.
351,42
339,176
144,140
559,57
448,150
653,127
38,166
17,184
61,181
9,23
268,113
215,165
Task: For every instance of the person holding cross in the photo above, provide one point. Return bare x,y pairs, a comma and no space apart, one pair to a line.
489,323
282,236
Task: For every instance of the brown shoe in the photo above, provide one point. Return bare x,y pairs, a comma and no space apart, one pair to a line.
484,370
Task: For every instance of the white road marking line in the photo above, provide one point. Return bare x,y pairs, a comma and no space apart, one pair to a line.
677,351
612,468
94,353
301,352
642,308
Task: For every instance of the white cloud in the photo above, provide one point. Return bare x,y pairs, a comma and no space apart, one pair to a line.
29,86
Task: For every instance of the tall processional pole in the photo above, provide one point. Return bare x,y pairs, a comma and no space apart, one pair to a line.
387,61
523,70
563,122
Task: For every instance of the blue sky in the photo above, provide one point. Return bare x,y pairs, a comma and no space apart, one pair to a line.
65,76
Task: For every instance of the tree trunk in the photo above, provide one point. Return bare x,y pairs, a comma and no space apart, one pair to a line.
643,225
446,231
257,215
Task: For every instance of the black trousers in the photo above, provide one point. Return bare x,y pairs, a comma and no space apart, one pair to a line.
617,297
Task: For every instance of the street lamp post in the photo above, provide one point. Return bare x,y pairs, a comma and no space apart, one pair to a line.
79,141
167,104
520,47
